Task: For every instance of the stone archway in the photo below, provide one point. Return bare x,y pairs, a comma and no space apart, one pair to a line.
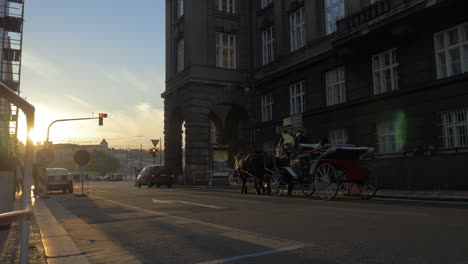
200,108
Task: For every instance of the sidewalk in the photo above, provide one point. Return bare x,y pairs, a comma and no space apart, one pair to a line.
422,195
10,253
425,195
59,246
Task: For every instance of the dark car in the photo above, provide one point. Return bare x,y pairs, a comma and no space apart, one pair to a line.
155,175
113,177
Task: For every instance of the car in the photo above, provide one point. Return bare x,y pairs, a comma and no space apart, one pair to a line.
99,178
113,177
155,175
59,179
118,178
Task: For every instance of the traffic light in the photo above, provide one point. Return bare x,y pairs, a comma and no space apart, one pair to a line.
101,118
153,151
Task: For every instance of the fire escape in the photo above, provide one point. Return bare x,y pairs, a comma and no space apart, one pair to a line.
11,41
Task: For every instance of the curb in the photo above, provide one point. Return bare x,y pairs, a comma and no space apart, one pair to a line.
207,187
424,198
385,196
59,246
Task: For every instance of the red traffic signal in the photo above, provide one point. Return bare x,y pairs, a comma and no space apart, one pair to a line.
101,117
153,151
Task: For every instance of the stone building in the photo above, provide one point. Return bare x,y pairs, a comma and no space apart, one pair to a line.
385,73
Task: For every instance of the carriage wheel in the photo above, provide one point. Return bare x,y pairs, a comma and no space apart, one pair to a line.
367,191
277,183
326,181
308,186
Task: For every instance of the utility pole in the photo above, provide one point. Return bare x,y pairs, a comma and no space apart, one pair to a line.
141,157
160,151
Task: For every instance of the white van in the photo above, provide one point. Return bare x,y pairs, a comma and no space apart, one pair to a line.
59,179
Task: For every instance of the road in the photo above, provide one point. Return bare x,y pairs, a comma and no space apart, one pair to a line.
183,225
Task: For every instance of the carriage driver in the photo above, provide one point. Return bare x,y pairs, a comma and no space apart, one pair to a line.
286,141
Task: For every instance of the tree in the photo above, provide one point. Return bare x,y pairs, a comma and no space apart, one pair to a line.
103,162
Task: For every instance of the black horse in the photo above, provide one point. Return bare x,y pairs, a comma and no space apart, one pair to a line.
253,165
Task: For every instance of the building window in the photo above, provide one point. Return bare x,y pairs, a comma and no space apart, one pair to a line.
267,45
264,3
334,11
338,137
296,97
180,8
336,89
451,48
180,55
269,147
296,29
455,128
389,137
267,107
228,6
225,50
385,68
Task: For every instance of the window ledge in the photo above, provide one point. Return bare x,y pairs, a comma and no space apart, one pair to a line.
227,15
452,150
265,9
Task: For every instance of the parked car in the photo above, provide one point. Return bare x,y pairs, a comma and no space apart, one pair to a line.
99,178
113,177
155,175
59,179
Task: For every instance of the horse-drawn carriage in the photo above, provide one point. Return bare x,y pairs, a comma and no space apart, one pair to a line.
326,169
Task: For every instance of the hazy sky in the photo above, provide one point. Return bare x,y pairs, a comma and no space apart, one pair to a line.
87,56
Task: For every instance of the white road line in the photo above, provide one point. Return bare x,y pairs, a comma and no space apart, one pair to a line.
201,205
232,233
156,201
270,252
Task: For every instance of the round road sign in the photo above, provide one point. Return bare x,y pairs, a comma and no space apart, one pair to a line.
81,157
45,156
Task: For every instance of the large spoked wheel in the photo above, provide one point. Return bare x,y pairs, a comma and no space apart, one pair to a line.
326,181
308,186
277,183
367,191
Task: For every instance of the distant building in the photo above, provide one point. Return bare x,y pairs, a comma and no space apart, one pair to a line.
380,73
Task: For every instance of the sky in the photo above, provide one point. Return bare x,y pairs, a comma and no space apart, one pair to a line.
95,56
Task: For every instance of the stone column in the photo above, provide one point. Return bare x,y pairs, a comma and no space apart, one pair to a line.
197,148
173,143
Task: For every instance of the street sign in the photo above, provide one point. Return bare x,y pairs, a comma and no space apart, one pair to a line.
81,157
296,122
155,142
287,122
45,156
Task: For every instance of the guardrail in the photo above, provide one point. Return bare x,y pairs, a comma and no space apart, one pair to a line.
9,218
23,216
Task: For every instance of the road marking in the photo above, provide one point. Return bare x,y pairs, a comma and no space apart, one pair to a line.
188,203
156,201
269,252
258,240
232,233
318,206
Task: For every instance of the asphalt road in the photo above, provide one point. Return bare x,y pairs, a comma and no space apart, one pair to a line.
182,225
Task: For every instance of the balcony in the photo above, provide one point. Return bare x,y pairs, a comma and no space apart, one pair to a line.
365,15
